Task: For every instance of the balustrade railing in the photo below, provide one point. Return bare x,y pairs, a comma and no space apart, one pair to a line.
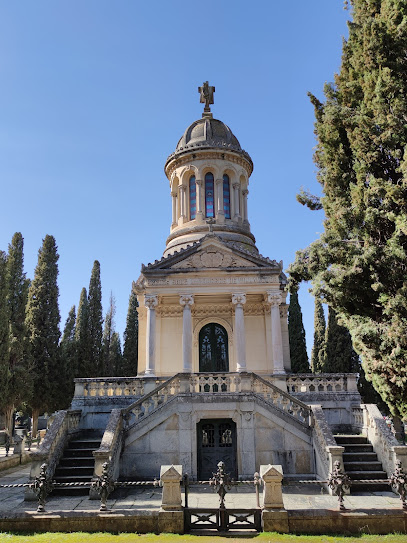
321,382
103,387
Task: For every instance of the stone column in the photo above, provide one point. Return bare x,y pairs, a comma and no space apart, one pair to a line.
151,302
274,298
186,300
236,198
199,213
245,216
240,339
182,209
174,208
219,198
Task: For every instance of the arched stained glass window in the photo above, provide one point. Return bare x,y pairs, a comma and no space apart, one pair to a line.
192,197
226,196
209,195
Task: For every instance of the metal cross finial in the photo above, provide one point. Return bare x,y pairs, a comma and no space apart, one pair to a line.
211,222
206,96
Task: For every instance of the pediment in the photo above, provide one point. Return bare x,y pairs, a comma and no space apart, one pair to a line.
212,253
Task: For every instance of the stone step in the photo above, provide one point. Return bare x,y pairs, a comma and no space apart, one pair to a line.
72,478
363,466
69,453
77,461
358,449
356,457
367,474
350,439
84,444
74,471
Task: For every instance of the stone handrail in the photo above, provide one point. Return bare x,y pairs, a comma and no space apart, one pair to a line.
386,446
215,382
279,398
52,446
321,382
103,387
324,444
110,447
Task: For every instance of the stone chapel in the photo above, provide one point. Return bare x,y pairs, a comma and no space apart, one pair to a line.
214,377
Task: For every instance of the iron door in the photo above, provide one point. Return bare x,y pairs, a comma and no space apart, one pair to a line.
216,442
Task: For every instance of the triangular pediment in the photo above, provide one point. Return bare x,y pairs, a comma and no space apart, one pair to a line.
212,253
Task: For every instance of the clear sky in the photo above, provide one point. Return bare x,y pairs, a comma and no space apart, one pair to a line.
95,95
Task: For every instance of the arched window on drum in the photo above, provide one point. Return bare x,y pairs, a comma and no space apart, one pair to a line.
209,195
192,197
226,196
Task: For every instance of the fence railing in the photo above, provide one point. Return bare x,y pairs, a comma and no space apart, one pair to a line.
321,382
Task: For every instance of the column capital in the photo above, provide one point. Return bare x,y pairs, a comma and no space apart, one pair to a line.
174,193
218,181
274,298
236,185
198,182
186,300
151,301
182,187
245,192
239,299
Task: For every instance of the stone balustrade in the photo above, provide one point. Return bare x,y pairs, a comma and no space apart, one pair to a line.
104,387
321,382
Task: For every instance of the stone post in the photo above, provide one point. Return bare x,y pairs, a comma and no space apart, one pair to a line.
236,197
275,517
274,298
174,208
186,300
199,213
219,199
240,339
335,453
171,515
151,302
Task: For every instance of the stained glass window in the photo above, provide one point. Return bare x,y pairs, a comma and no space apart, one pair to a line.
209,196
192,197
226,196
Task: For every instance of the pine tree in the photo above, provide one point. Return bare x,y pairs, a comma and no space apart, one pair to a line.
95,320
359,263
339,354
109,356
69,356
20,377
4,341
83,366
130,349
318,348
43,331
296,333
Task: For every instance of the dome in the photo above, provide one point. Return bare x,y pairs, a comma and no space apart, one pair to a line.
208,133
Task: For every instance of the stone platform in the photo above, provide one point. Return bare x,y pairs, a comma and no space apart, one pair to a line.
307,510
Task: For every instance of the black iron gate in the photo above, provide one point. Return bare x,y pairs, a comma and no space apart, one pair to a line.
216,440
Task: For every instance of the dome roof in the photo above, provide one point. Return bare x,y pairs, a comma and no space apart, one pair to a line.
208,133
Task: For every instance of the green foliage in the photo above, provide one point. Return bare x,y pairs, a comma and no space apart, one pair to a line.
83,367
359,264
305,198
339,354
43,329
95,322
318,349
296,333
130,349
4,334
111,349
20,371
69,356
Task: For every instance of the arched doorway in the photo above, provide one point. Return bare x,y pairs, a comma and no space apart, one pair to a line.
213,348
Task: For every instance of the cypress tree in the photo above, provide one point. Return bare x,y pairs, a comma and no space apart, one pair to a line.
20,374
4,341
318,348
359,263
296,333
109,357
43,331
69,355
130,349
95,320
339,354
83,367
116,357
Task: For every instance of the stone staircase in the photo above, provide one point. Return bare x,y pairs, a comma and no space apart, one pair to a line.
77,464
361,462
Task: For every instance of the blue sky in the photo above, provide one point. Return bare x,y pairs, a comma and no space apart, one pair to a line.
95,95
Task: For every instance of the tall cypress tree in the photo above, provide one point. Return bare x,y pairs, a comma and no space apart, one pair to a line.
116,357
109,350
83,367
130,349
339,354
95,320
4,341
318,348
359,263
69,356
20,378
296,333
43,331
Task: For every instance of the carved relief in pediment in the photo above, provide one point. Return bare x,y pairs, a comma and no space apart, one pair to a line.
212,259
